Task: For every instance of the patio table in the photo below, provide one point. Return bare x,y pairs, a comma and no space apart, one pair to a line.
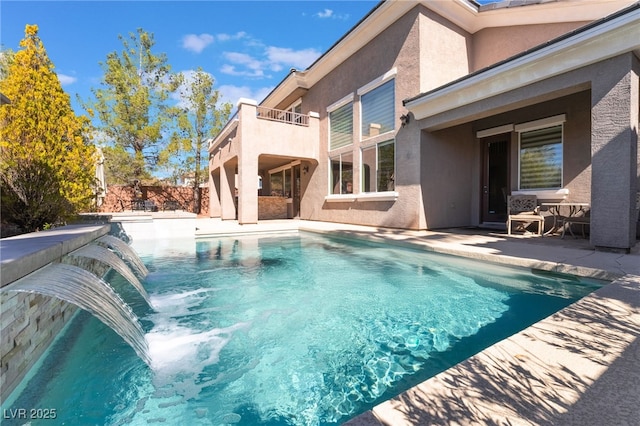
558,220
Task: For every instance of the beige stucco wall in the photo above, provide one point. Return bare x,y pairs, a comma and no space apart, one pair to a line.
396,47
445,51
451,160
492,45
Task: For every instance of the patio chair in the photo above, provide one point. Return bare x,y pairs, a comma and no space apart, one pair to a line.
583,221
524,208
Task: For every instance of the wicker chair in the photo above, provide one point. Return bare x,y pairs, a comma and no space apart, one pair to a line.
524,208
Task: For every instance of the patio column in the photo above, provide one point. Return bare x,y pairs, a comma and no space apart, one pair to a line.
215,209
614,153
250,137
248,189
227,191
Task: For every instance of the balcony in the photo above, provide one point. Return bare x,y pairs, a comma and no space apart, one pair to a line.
288,117
267,131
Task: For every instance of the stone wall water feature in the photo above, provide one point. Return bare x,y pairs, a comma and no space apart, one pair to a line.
30,322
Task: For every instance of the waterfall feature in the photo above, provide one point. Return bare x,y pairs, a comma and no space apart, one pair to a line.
89,292
104,255
125,251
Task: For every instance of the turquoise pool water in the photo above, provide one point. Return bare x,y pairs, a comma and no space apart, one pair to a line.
287,330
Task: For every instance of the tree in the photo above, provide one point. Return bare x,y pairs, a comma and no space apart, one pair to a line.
131,104
47,168
198,117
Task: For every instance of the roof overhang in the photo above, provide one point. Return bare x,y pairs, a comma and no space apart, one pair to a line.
4,100
463,13
612,37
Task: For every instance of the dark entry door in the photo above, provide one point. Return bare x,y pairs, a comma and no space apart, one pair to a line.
495,179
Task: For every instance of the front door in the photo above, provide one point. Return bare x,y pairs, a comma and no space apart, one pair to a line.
495,178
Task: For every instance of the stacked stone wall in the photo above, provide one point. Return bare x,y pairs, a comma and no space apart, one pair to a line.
272,208
29,323
120,198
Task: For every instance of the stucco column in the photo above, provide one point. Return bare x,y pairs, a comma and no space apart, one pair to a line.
248,190
227,191
248,162
614,153
215,209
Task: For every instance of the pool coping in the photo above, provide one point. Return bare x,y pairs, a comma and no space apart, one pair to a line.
577,367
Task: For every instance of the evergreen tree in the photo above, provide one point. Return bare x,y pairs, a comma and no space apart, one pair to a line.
47,167
131,104
198,118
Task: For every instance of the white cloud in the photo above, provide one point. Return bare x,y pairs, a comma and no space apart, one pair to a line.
327,13
286,57
226,37
275,59
232,94
197,43
66,79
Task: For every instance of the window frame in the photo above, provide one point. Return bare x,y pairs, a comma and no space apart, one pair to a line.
545,123
367,89
376,147
333,108
340,184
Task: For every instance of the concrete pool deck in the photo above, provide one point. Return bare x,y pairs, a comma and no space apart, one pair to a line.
580,366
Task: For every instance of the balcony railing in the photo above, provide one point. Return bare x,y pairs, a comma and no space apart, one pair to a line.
283,116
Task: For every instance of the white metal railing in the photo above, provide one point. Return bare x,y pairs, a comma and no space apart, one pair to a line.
289,117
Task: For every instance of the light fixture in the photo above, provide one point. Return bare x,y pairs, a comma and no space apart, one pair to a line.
404,119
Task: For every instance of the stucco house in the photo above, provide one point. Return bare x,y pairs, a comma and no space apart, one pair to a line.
428,114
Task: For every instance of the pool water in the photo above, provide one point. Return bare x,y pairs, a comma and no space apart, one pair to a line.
287,330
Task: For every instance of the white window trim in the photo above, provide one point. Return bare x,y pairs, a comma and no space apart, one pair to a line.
556,120
294,104
507,128
341,102
375,194
389,75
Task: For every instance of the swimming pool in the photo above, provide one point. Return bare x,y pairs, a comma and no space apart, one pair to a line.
287,330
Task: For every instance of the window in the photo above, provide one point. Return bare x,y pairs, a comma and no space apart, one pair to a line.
378,167
541,158
341,180
378,110
341,126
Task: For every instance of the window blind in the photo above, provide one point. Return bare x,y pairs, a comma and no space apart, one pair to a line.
378,110
341,126
541,158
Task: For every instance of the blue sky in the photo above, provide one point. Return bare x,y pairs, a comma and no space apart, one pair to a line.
248,46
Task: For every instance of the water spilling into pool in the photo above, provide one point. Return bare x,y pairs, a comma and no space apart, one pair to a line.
294,330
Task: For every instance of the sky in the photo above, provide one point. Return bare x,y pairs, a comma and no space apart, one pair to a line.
247,46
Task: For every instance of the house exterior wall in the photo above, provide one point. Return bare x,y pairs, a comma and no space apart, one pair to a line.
401,46
438,158
492,45
449,167
445,51
601,105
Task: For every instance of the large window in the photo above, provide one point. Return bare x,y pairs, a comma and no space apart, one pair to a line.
378,167
341,181
341,126
541,158
378,110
